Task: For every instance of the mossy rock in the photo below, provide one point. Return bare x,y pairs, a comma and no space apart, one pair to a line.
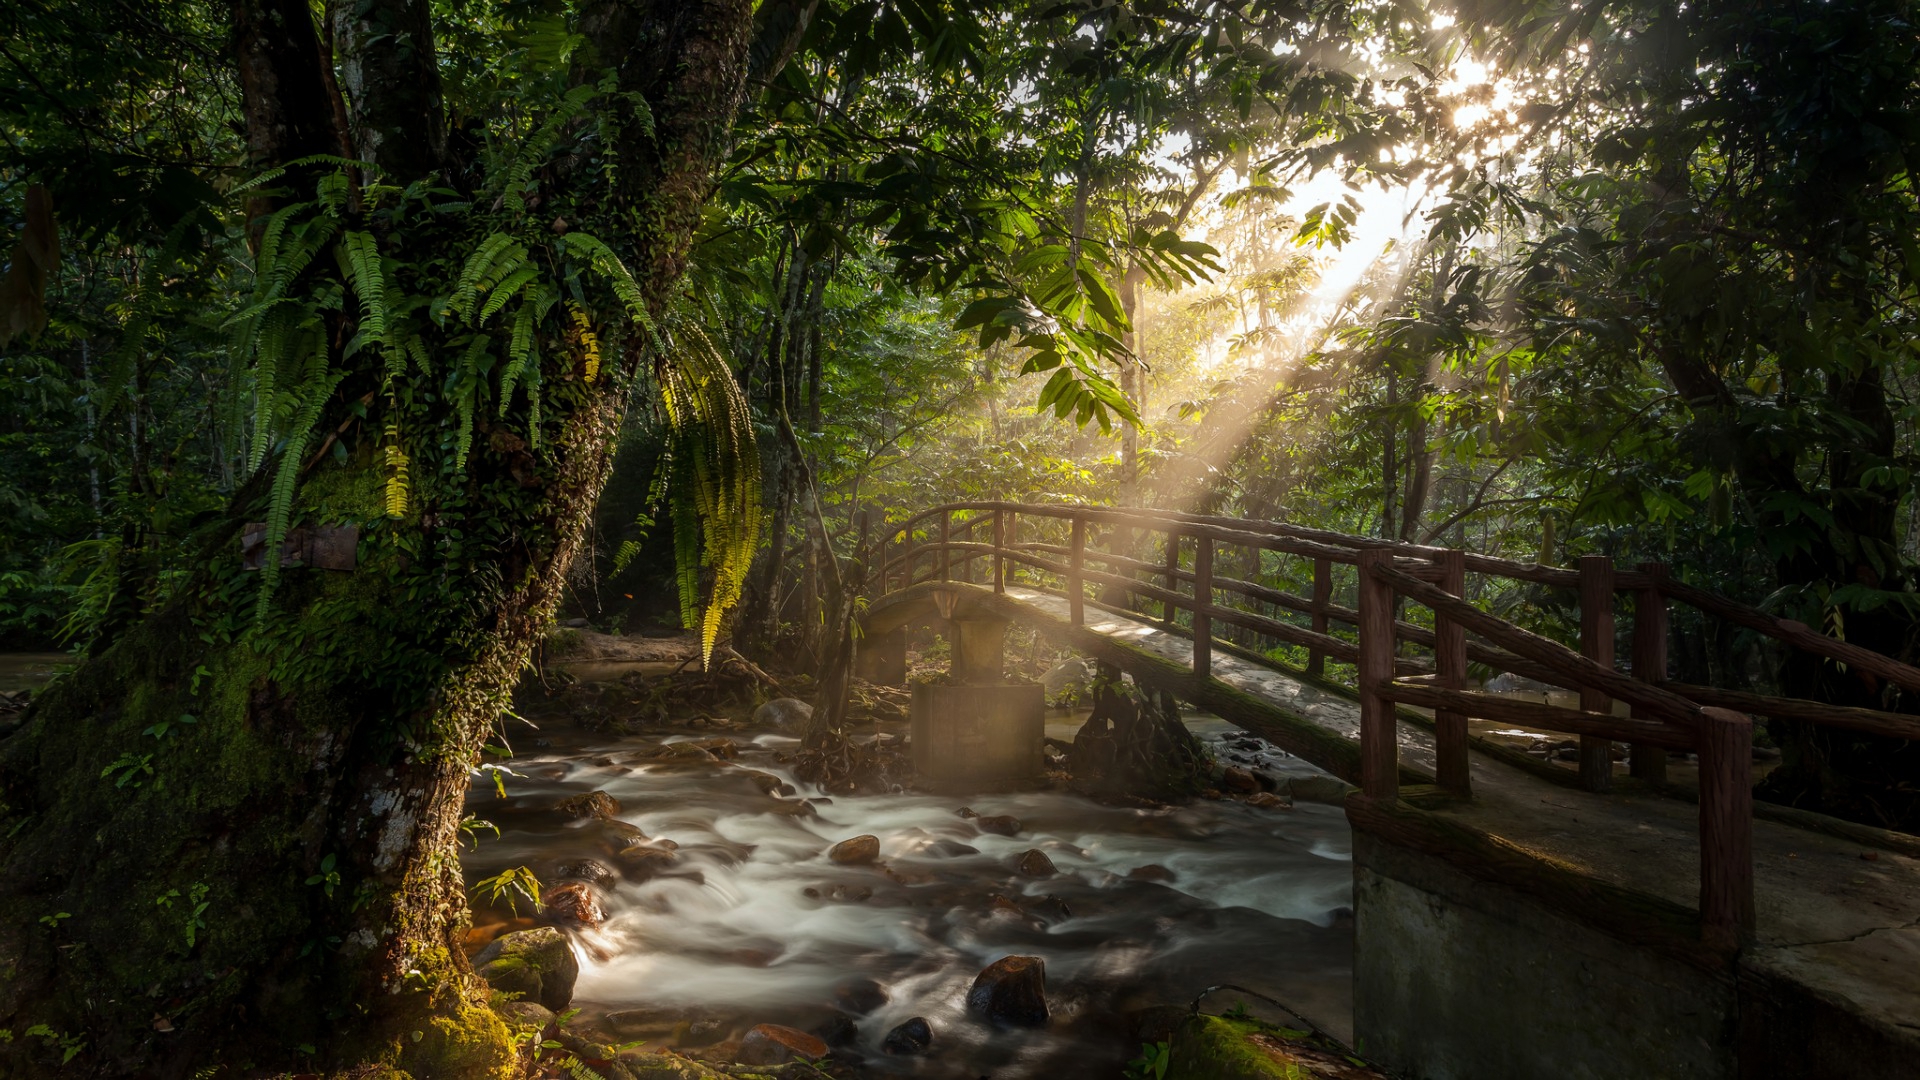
1219,1048
472,1044
538,965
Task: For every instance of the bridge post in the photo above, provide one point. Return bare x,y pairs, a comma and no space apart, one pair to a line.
1379,745
1649,763
1322,595
1202,600
1450,665
1596,644
1168,612
1012,539
1076,561
1726,827
999,543
946,537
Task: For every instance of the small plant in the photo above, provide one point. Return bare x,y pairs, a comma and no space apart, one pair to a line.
1238,1011
196,908
1152,1062
513,884
70,1045
328,877
53,921
129,769
471,826
159,730
499,773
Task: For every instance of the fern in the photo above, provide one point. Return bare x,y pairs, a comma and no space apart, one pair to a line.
312,397
520,353
397,480
497,256
508,286
716,499
360,259
467,382
608,265
536,148
589,341
579,1070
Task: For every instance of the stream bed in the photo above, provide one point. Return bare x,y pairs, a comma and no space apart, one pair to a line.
743,919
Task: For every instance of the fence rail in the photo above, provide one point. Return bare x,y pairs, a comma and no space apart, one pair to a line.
1071,549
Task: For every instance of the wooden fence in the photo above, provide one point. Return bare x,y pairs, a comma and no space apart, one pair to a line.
1074,548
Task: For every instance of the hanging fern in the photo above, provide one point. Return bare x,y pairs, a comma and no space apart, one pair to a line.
313,394
397,480
716,496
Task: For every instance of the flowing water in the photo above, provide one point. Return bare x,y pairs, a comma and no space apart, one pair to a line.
752,923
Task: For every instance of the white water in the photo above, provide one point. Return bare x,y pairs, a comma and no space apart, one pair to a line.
1258,899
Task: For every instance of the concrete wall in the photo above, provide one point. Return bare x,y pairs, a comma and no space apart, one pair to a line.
1457,979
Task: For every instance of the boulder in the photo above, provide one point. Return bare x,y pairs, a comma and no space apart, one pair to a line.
909,1039
588,870
1034,863
772,1044
617,835
783,712
965,812
526,1014
860,996
1151,872
1238,779
768,783
999,824
593,805
837,1030
536,964
642,861
1011,990
949,849
858,851
573,902
1067,680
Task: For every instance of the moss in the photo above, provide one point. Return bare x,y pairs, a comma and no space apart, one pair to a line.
1221,1048
470,1043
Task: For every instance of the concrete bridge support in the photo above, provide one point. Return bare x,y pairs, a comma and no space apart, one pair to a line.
1475,960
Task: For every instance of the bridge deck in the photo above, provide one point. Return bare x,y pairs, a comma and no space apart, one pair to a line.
1835,917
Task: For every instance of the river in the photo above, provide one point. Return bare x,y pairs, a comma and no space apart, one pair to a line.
752,923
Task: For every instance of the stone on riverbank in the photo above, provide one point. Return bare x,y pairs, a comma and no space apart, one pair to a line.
999,824
1012,990
783,712
858,851
1034,863
909,1039
772,1044
597,805
573,902
538,965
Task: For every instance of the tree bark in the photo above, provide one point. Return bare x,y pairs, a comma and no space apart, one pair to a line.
232,843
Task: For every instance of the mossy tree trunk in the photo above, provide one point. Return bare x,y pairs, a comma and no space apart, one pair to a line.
229,845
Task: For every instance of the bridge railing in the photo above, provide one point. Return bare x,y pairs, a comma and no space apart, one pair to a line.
1071,550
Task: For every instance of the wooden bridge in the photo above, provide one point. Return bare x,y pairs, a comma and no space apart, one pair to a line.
1804,907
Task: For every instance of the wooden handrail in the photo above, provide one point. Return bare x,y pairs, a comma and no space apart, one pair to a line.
1551,654
1483,706
1505,647
1331,547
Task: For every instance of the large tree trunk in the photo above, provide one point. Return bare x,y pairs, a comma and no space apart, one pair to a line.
232,845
